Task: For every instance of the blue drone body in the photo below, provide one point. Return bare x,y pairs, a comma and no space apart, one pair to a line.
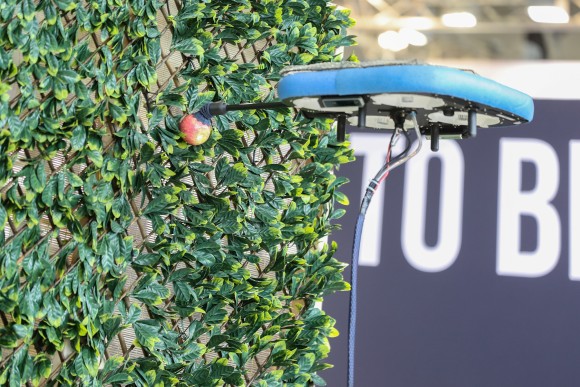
448,102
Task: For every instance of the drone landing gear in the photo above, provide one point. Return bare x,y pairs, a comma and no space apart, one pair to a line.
472,123
435,138
362,117
341,128
434,130
399,116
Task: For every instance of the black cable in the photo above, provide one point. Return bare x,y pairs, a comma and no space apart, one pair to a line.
405,152
369,192
395,159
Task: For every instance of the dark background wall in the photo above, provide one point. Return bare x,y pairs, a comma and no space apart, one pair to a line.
466,325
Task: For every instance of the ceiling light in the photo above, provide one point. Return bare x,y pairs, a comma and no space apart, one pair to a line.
459,20
548,14
393,41
376,3
381,19
413,37
417,22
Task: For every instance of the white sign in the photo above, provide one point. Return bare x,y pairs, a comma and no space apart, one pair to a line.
513,203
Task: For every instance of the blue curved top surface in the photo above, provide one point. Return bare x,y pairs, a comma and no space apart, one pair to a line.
415,78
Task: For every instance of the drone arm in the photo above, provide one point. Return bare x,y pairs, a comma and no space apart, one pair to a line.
220,108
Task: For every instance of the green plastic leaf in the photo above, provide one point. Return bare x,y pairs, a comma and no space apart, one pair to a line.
341,198
90,360
147,333
28,9
121,377
3,215
79,136
68,76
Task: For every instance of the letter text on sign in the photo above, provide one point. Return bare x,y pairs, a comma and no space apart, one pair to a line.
373,149
513,202
574,205
444,253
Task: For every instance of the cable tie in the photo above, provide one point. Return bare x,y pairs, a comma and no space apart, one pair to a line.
396,136
373,185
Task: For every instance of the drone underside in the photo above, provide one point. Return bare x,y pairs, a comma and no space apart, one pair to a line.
449,103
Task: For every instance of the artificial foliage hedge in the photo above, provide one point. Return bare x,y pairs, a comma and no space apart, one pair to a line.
130,258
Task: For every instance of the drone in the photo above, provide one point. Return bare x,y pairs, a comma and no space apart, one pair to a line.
449,103
433,101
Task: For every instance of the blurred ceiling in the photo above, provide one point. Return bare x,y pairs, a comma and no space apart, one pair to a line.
503,29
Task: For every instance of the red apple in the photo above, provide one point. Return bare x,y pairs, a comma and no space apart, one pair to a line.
195,131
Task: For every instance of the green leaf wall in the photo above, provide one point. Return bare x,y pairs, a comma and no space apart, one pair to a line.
131,258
